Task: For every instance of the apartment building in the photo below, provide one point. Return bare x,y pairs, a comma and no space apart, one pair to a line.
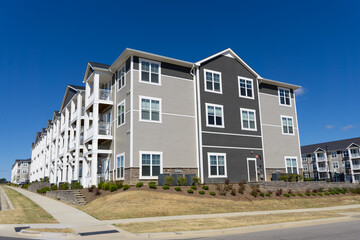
20,171
333,161
147,114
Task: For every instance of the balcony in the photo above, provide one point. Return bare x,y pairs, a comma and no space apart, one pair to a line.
355,155
356,167
322,169
105,96
104,128
74,115
321,159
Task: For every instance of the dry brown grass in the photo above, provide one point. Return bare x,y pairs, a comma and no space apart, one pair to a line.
57,230
25,210
137,204
219,223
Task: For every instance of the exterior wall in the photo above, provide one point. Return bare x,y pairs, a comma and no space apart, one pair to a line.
238,144
17,175
277,145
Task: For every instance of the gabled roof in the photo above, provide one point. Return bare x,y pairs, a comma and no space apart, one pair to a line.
229,52
79,88
37,136
49,123
99,65
70,92
280,84
330,146
55,114
94,66
353,144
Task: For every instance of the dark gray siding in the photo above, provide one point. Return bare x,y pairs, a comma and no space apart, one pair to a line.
272,89
231,140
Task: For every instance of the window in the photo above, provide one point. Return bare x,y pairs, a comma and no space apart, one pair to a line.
24,171
248,119
346,153
212,81
151,164
291,165
306,175
304,158
284,95
215,115
120,77
246,88
287,125
25,164
305,167
120,166
150,109
335,165
217,164
313,157
121,113
320,156
333,155
150,72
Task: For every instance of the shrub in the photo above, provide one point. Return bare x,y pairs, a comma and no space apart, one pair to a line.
169,180
202,192
76,185
43,190
314,194
193,187
46,179
25,186
90,189
242,186
254,190
107,186
205,187
300,195
100,184
165,187
321,189
308,179
262,194
152,185
292,194
286,195
182,181
315,191
319,194
196,181
290,191
139,184
326,193
64,186
190,191
268,194
119,184
97,192
212,193
113,187
125,187
221,188
307,194
178,189
54,188
279,192
233,191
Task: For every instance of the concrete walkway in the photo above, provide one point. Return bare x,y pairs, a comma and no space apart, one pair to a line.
233,214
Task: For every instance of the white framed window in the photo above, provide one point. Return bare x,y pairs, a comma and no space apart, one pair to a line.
291,165
24,171
150,164
150,109
313,157
284,96
334,155
121,113
214,115
121,77
212,81
248,119
246,87
217,165
287,125
120,166
25,164
150,72
335,165
303,157
305,167
345,153
306,175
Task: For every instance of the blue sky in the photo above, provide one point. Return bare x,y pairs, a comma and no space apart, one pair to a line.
45,45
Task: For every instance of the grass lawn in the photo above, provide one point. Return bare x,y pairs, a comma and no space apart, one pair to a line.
219,223
137,204
25,210
56,230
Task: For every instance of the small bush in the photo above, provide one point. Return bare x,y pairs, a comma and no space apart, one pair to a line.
90,189
54,188
314,194
43,190
107,186
279,192
113,187
193,187
268,194
100,184
300,195
25,186
261,194
202,192
254,190
97,192
64,186
292,194
315,191
205,187
321,189
178,189
119,184
182,181
139,184
290,191
152,185
326,193
196,181
169,180
190,191
76,185
307,194
319,194
125,187
221,188
165,187
212,193
286,195
242,186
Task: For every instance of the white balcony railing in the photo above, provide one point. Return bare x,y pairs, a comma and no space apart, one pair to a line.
105,94
322,169
321,159
73,115
104,128
356,166
355,155
89,132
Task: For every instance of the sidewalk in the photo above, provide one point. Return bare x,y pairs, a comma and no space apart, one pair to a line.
233,214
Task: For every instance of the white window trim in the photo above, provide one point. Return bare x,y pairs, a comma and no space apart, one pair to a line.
248,170
287,89
119,155
248,110
282,126
117,115
118,80
149,61
338,166
140,164
307,167
222,113
297,165
160,109
209,167
332,155
252,87
220,78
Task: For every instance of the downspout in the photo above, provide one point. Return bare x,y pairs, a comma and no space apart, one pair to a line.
196,120
259,81
114,121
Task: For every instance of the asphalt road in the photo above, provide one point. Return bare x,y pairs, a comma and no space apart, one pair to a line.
334,231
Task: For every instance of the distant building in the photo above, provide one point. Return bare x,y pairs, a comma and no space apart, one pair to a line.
20,172
335,161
